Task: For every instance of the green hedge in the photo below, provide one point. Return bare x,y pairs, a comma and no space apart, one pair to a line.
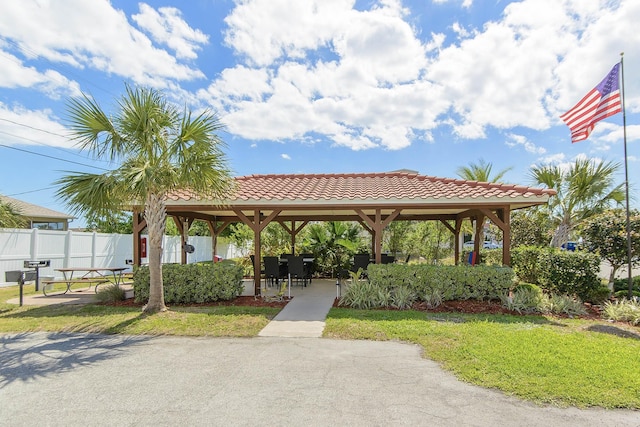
451,282
560,272
193,283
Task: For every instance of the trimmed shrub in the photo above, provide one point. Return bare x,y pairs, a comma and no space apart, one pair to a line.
193,283
524,261
444,281
571,273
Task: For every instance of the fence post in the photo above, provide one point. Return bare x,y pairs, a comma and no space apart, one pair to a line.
67,249
34,244
93,248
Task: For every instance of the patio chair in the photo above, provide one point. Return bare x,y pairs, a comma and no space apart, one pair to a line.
361,261
272,272
296,270
387,259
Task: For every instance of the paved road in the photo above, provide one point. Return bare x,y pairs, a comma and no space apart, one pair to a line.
101,380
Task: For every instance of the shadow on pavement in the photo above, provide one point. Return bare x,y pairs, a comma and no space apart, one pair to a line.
24,358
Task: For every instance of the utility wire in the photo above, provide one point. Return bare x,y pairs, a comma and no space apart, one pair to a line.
44,143
30,191
52,157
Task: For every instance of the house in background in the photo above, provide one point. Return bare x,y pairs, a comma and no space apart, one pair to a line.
38,216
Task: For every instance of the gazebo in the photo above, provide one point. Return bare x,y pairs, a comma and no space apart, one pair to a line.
372,199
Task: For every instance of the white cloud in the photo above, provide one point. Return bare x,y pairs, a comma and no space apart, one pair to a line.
16,133
285,156
15,74
94,35
514,140
366,78
166,26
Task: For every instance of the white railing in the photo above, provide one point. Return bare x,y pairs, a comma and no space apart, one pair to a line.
80,249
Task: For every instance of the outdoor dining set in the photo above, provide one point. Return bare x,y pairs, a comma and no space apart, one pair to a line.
298,269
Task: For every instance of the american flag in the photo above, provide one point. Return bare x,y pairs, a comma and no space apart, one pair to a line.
603,101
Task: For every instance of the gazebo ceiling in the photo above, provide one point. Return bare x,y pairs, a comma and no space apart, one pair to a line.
336,196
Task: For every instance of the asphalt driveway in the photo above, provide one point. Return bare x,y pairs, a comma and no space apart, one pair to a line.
100,380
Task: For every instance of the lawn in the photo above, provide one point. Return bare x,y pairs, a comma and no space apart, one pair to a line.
543,359
218,321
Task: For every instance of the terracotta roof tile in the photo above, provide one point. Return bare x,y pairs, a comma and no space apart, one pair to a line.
367,186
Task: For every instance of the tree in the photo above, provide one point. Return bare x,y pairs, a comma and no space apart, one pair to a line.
110,222
481,172
10,216
606,234
585,189
333,243
159,149
530,227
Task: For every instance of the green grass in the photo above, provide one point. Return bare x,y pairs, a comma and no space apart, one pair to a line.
545,360
218,321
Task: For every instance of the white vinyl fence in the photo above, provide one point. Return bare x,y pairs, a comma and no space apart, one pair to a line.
79,249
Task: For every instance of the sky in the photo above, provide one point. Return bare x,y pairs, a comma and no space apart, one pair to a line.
326,86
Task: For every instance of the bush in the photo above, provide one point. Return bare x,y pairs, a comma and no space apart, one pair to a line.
623,284
524,261
524,300
362,294
570,273
563,304
110,293
193,283
444,282
598,295
625,294
622,311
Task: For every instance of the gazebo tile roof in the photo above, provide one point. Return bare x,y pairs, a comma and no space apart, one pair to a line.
366,186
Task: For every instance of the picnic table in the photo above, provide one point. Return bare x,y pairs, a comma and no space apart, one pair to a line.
87,275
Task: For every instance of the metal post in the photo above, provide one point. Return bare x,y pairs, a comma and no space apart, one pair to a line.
21,283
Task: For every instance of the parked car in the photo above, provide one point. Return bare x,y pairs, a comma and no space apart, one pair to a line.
569,246
486,245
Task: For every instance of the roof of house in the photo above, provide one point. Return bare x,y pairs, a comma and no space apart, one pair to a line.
32,211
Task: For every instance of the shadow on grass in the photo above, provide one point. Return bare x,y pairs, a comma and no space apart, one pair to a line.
613,330
29,356
60,310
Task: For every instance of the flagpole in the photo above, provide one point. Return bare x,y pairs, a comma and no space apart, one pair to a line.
626,178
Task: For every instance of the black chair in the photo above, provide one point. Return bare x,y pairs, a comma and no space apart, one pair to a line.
387,259
308,266
296,270
272,271
361,261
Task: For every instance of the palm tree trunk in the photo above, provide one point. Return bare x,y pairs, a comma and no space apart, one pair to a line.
561,235
155,214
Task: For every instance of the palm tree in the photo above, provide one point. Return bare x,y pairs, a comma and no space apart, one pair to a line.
159,150
10,217
585,189
481,172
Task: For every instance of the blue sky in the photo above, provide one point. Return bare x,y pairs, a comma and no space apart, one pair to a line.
327,86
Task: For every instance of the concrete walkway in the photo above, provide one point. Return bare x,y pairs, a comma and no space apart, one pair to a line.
304,316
